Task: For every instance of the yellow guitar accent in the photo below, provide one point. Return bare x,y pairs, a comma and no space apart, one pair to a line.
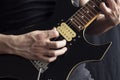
91,21
66,31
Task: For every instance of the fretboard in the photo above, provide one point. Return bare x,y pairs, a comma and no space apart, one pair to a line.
85,15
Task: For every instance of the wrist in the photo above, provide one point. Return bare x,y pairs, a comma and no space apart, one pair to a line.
4,44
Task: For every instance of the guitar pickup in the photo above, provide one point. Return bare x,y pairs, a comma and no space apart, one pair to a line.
66,31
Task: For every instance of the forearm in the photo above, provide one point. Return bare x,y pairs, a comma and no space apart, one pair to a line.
4,44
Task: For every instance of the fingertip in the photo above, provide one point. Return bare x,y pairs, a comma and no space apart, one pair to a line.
51,59
65,41
56,32
65,49
102,5
54,28
104,8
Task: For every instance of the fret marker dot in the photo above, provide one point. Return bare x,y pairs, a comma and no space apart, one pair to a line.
71,19
93,5
87,11
82,16
79,27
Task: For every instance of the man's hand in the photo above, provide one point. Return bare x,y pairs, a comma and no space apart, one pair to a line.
112,11
106,20
37,45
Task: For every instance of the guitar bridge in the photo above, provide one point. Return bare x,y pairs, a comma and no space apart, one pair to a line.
40,64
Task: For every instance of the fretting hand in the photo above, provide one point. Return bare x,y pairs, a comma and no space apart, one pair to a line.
112,11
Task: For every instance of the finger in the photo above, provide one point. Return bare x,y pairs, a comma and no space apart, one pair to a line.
105,9
39,43
46,58
118,2
112,4
56,44
56,52
52,33
39,50
49,59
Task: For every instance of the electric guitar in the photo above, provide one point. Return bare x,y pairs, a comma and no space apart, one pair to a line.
72,28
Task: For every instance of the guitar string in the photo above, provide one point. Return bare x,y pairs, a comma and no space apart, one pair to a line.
91,6
71,21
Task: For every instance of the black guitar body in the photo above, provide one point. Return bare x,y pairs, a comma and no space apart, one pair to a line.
79,50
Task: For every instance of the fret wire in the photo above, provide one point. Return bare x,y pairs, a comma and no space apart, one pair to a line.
76,18
80,12
92,9
87,14
91,6
79,20
94,3
72,25
84,17
68,22
75,13
87,7
74,22
71,22
99,1
82,20
90,14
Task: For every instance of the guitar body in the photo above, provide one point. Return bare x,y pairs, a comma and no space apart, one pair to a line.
79,51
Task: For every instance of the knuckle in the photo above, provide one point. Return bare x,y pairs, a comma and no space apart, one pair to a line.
65,42
55,32
56,45
54,53
37,57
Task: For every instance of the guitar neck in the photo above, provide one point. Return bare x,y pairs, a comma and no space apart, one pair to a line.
85,15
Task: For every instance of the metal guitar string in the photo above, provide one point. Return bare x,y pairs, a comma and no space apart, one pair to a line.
71,21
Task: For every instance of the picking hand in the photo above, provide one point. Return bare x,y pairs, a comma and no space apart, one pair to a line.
37,45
